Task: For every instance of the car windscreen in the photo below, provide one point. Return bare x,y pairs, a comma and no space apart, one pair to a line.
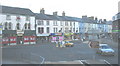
105,47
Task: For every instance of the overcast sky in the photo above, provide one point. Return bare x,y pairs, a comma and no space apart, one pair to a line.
103,9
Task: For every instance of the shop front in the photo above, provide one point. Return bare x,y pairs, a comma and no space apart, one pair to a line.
8,37
76,36
56,37
68,36
43,37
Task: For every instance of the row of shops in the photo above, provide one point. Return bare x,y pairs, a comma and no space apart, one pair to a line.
13,37
53,37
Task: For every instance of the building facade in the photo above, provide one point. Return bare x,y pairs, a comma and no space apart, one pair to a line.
17,22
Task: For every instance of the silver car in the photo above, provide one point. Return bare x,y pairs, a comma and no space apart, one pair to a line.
104,49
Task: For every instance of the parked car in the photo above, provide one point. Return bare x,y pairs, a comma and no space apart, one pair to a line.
104,49
68,44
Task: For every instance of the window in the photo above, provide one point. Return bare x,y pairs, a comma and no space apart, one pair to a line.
8,17
76,31
61,30
73,29
18,26
61,23
55,23
10,25
6,24
48,29
27,18
70,29
66,30
29,26
66,23
54,30
47,23
25,25
70,23
40,22
40,30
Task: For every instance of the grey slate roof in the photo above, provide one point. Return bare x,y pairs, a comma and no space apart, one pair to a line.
68,18
53,17
88,20
42,16
17,10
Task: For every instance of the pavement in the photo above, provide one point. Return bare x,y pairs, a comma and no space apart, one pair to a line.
81,51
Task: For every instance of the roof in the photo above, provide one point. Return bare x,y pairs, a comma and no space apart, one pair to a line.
42,16
109,22
88,20
53,17
68,18
17,10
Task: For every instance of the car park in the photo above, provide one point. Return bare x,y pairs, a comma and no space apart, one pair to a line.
104,49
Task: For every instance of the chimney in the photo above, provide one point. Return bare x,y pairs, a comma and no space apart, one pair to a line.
92,17
55,13
104,20
85,16
63,14
42,11
96,18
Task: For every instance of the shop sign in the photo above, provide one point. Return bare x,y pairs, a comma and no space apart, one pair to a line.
53,38
52,34
20,32
26,38
5,40
32,38
58,34
43,34
12,39
61,38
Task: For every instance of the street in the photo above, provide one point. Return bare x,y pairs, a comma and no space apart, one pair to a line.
28,54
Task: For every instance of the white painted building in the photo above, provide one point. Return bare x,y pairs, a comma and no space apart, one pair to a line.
17,22
52,25
14,18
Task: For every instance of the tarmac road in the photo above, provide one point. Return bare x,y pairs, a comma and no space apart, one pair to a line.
80,51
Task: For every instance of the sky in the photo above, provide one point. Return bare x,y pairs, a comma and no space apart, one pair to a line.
102,9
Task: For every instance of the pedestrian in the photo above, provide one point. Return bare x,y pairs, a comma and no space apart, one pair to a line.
56,43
